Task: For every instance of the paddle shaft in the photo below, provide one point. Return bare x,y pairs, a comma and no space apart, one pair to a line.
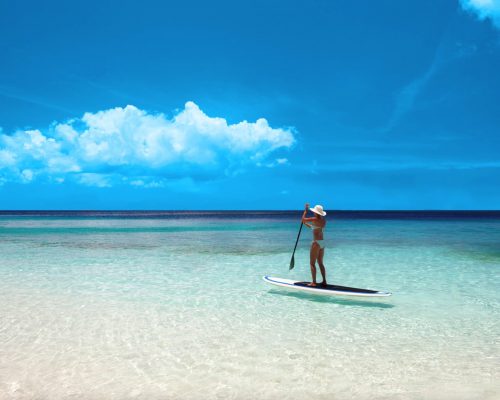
292,261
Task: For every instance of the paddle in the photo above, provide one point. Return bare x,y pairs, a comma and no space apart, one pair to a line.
292,261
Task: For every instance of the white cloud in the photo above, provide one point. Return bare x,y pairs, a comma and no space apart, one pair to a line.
484,9
129,145
92,179
272,164
27,175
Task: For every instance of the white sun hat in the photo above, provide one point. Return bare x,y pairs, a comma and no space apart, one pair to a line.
318,210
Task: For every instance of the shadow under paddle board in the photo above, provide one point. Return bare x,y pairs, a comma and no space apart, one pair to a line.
328,290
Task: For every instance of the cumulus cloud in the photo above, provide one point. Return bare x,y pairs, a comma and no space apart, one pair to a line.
131,146
484,9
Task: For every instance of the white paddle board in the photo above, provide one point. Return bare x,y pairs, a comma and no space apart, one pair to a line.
328,290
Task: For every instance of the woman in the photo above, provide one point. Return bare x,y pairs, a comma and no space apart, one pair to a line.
317,224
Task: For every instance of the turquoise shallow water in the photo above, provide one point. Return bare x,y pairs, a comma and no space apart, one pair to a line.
175,308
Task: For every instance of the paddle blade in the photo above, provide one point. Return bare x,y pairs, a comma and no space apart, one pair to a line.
292,263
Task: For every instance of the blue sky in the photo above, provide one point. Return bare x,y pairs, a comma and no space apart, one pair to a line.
250,105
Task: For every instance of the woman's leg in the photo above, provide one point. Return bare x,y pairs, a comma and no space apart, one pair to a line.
321,265
313,257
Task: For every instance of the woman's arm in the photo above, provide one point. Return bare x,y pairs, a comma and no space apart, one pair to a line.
306,220
305,212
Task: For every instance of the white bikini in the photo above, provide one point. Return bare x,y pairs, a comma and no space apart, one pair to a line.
320,242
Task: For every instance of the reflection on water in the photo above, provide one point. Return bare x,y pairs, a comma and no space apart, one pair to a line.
332,299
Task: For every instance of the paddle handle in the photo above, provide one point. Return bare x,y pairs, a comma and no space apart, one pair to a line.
292,261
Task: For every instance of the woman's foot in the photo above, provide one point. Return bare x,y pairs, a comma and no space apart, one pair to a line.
312,284
323,283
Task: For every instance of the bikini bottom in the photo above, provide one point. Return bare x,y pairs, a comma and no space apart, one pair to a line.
321,243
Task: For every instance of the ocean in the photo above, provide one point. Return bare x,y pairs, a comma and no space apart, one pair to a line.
172,305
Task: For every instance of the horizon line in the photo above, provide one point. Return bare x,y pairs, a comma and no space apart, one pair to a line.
250,210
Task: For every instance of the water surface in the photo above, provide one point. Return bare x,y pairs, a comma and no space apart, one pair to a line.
171,305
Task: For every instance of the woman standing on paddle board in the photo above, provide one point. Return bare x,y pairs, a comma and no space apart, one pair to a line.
317,224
